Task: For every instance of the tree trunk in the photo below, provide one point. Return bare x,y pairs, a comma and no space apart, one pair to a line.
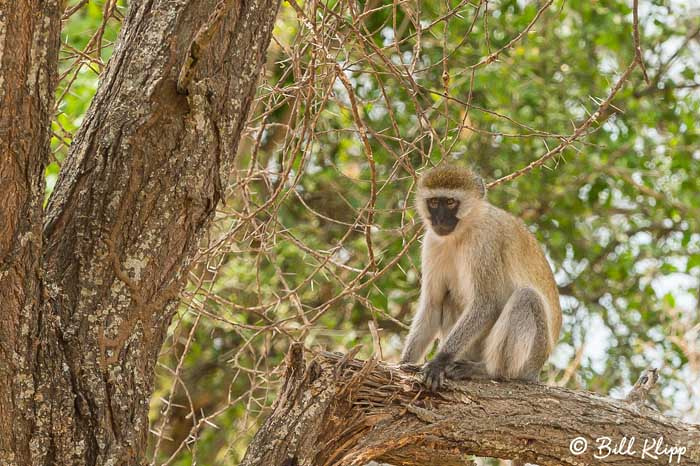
338,410
88,312
29,42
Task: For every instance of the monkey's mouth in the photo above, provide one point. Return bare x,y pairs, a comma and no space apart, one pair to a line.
442,229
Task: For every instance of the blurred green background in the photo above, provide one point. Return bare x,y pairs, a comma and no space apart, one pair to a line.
311,201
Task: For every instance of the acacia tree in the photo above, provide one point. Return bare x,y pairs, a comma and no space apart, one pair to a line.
89,283
315,239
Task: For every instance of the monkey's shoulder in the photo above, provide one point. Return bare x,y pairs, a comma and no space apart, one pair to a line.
502,216
505,224
523,254
493,226
509,237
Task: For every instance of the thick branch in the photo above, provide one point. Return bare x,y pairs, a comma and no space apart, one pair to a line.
339,410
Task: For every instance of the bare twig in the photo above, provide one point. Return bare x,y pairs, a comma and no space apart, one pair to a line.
637,42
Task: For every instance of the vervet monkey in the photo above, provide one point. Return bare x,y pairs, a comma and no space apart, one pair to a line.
487,292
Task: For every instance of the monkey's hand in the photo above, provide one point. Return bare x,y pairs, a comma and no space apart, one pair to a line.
434,371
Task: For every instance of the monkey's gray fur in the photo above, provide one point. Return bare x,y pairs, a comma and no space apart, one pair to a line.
487,290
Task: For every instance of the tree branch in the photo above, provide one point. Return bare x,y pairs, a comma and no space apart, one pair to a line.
337,410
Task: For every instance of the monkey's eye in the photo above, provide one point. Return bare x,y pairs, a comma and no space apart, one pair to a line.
451,203
433,203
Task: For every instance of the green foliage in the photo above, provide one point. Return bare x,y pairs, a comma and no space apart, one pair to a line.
87,45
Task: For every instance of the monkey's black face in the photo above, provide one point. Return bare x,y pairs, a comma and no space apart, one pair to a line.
443,214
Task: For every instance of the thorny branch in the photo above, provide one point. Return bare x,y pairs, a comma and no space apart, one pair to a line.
594,118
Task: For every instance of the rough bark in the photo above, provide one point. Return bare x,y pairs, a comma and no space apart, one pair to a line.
29,41
338,410
135,195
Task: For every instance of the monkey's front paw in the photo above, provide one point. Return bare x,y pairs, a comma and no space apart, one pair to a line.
434,375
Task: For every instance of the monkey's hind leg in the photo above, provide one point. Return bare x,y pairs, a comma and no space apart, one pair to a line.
516,347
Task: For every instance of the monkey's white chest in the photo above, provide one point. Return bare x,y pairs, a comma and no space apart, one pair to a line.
449,279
